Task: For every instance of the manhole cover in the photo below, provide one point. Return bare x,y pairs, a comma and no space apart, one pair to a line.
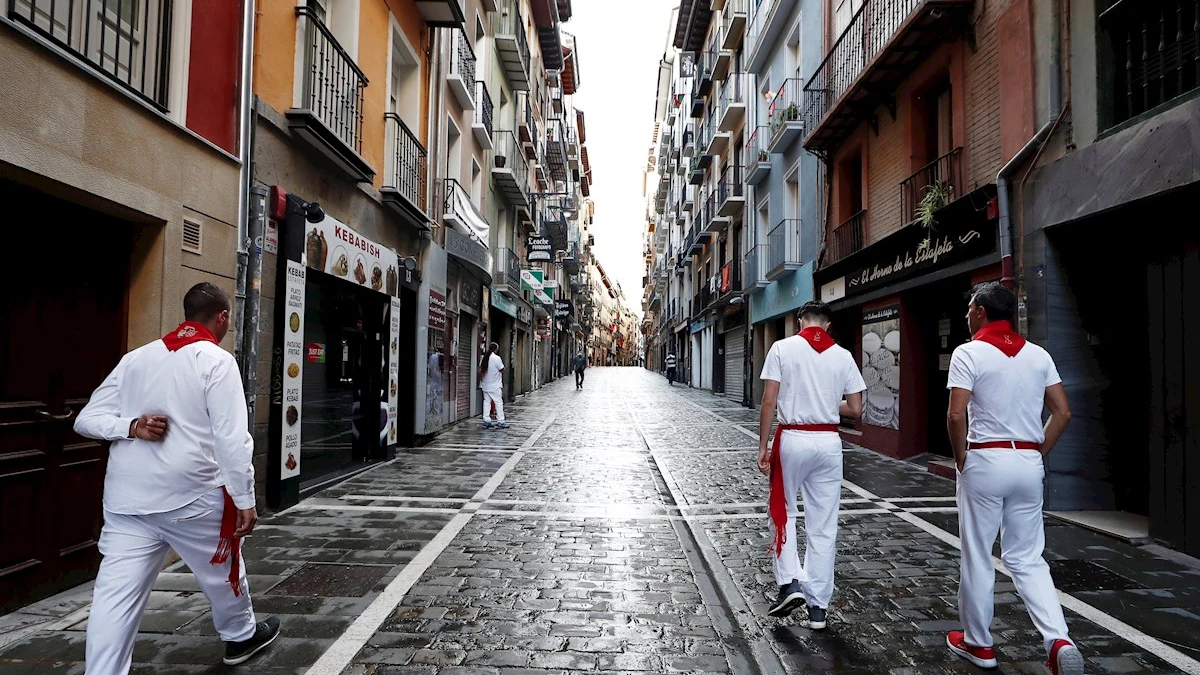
1083,575
331,581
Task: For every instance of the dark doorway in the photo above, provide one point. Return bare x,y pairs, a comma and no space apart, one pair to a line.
406,375
718,362
63,321
939,311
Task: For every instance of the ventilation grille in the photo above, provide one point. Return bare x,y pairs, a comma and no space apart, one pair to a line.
192,236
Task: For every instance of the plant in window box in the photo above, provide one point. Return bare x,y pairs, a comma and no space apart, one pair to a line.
937,195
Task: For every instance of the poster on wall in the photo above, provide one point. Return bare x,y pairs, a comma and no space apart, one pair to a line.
394,371
333,248
881,367
294,353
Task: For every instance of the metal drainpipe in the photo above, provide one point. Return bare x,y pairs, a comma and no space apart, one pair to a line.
248,247
1002,184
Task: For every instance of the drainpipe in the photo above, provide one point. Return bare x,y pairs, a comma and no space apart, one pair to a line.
249,244
1030,149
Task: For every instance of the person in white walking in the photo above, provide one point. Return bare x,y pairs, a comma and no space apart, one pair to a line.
491,382
998,385
180,476
811,383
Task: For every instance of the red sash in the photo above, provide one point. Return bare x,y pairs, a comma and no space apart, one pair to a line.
228,546
1001,335
777,501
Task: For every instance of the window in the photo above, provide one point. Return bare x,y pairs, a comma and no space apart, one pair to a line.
453,150
844,11
1148,55
404,86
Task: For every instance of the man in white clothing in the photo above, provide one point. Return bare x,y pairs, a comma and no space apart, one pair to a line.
811,382
998,384
179,477
491,382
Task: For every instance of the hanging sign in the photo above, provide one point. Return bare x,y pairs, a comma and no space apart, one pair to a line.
540,249
293,367
437,310
330,246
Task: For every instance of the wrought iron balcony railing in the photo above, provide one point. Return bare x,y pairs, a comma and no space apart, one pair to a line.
333,83
933,186
462,69
783,243
753,274
484,109
508,269
847,238
407,168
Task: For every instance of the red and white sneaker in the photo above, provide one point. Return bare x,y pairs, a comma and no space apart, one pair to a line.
984,657
1065,659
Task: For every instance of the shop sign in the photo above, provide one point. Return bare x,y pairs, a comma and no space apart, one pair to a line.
393,392
470,293
915,250
293,368
563,308
834,290
469,250
541,249
315,352
333,248
524,314
505,304
881,367
531,280
437,310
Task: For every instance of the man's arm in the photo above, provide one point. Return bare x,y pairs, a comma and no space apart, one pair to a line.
101,417
766,418
956,424
233,445
851,406
1060,416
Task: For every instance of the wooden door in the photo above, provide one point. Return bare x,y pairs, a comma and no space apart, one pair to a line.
62,329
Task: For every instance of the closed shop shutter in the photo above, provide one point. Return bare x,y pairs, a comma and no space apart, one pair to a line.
466,338
735,366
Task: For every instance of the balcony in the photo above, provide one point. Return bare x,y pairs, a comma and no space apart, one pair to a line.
467,230
754,276
721,59
527,126
884,38
729,280
332,117
696,169
405,174
689,138
767,22
508,27
481,125
441,13
703,80
933,186
506,272
556,149
718,141
697,242
711,220
733,25
757,159
783,243
731,195
510,170
701,301
462,71
846,239
732,109
697,105
786,120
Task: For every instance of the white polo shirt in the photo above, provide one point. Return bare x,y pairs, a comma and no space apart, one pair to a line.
1007,393
812,384
492,380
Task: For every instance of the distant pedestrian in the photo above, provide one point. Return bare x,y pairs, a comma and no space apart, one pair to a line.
491,381
580,366
670,364
811,383
180,476
998,384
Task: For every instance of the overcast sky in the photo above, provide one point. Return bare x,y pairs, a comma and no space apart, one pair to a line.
620,43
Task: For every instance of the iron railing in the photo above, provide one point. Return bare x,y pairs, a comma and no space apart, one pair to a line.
333,83
483,106
509,22
933,186
1153,53
462,58
703,78
782,240
126,40
847,238
732,9
754,259
408,168
786,107
731,277
731,93
731,184
508,147
756,147
868,33
508,269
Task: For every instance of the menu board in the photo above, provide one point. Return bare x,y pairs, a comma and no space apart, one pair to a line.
334,248
293,368
393,371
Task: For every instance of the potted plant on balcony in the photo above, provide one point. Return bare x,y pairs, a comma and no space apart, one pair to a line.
937,195
500,160
763,156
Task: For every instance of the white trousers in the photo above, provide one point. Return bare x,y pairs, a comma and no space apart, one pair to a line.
1000,491
812,466
134,549
490,397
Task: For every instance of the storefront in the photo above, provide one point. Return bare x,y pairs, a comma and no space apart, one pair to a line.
467,273
773,318
899,308
734,339
509,328
341,368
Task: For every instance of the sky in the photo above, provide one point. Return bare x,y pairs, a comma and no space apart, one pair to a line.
620,43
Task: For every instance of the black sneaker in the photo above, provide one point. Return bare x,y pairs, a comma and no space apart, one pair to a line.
816,618
790,597
264,634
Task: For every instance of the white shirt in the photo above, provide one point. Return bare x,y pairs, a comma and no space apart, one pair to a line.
1007,394
491,379
812,384
207,443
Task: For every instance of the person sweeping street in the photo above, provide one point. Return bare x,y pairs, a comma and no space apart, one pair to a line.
810,383
491,382
998,385
179,476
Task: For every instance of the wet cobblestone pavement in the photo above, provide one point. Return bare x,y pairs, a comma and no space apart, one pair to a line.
622,529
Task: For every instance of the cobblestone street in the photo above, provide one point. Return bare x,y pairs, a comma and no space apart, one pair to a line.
622,529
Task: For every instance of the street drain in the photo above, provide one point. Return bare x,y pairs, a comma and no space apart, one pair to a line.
319,580
1083,575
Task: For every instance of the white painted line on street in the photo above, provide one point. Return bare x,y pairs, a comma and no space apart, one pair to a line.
359,507
931,509
481,451
394,498
614,515
467,446
919,499
592,505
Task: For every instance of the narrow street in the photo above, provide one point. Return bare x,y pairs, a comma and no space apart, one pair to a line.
621,528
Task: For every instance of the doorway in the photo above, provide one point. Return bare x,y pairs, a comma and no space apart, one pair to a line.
718,362
62,329
939,311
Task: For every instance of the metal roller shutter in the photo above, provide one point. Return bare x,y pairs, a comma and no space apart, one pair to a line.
735,363
463,391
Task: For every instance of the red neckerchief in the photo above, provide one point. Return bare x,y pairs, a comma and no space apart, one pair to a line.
817,337
228,546
187,333
1001,335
